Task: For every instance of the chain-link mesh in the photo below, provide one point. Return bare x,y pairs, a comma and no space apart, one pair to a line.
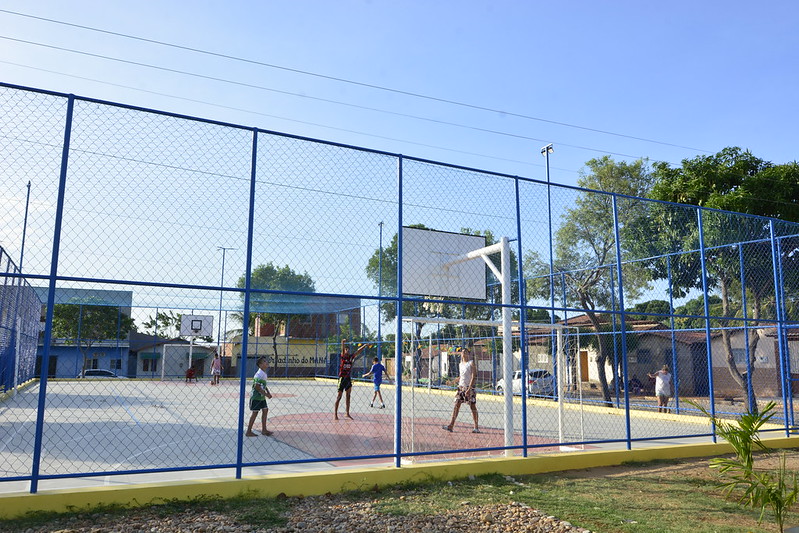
283,247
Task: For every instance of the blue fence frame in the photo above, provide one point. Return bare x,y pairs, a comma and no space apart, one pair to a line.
120,180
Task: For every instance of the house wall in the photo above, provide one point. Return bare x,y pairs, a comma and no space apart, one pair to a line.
295,357
650,353
654,350
765,374
175,361
64,355
68,359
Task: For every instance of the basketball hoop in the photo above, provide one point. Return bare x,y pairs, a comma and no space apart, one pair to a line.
196,325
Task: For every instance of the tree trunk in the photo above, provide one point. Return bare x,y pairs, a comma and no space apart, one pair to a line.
602,355
737,376
274,346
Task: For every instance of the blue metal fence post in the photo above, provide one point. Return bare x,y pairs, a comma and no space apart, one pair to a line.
398,339
613,332
675,372
622,319
523,313
48,323
750,396
785,381
380,297
783,331
701,230
245,321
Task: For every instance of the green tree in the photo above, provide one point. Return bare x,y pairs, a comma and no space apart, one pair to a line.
585,250
648,308
734,180
689,315
165,324
274,308
86,322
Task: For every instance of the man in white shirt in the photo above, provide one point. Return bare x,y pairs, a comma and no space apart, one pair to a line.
466,392
662,388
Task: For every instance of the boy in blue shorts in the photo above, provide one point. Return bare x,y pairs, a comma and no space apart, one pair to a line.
377,378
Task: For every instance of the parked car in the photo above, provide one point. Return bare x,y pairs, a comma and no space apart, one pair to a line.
98,373
539,383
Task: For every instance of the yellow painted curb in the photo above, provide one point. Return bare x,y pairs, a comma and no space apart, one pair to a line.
316,483
20,387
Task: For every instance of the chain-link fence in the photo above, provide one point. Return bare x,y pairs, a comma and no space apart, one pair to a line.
20,311
168,254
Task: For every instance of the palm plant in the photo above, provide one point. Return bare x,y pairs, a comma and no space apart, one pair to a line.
775,489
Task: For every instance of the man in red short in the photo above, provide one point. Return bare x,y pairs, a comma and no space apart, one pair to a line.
345,375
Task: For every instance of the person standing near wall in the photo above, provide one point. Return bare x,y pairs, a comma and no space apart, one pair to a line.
216,369
662,388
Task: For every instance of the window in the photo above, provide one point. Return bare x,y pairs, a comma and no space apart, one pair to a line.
94,361
149,365
116,364
740,356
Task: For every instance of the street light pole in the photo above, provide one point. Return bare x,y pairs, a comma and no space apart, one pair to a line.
24,227
545,151
379,295
221,292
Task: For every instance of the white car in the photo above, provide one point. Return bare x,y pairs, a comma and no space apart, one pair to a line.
98,373
539,383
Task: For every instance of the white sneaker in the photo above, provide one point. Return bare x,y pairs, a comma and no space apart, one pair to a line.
371,405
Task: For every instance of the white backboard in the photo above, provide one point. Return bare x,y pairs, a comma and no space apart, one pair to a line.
424,254
196,325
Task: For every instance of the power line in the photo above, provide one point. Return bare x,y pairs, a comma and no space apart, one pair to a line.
308,123
350,82
299,95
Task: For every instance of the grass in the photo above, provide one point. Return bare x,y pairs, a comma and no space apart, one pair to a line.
656,497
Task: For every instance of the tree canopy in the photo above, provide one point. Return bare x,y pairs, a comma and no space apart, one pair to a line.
732,180
271,277
738,250
585,250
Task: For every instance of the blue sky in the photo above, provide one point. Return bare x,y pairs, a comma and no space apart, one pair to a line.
474,83
593,78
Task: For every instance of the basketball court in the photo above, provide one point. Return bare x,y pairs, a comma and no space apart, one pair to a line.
124,426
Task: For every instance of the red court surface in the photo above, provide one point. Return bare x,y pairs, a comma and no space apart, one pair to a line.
319,435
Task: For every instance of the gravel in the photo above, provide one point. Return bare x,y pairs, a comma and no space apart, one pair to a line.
326,514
